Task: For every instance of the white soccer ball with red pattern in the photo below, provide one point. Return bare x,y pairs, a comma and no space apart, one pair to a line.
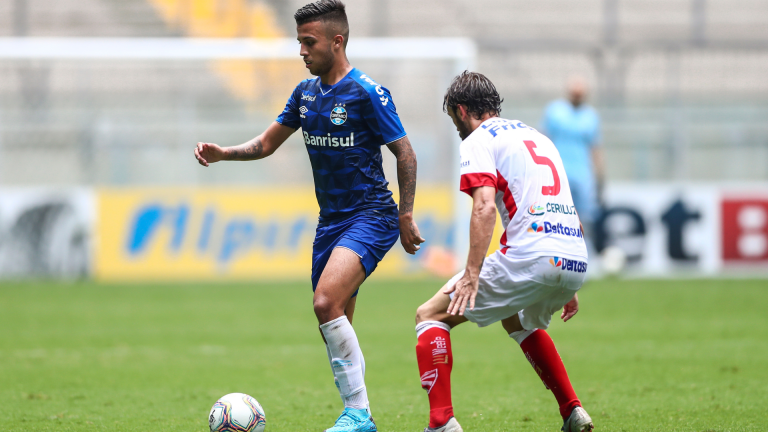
237,412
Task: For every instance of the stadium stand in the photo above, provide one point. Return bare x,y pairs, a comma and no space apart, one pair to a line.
679,82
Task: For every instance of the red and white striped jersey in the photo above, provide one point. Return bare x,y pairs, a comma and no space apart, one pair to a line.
532,192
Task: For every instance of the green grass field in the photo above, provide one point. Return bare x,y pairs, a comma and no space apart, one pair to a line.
642,355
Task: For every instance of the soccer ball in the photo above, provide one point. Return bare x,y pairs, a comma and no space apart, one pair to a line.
237,412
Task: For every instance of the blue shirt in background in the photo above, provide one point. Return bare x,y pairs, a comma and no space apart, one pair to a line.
344,127
574,131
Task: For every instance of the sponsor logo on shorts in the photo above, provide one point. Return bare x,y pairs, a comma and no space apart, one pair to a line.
536,210
566,264
557,229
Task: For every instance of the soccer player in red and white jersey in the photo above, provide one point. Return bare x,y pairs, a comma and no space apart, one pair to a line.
539,267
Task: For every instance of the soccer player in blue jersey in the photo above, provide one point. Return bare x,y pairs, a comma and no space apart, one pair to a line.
345,117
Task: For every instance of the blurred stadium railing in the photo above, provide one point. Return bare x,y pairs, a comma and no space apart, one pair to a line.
680,85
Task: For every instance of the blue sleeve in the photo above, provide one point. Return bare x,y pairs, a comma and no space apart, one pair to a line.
381,115
290,115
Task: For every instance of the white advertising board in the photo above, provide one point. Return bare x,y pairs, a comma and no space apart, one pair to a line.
46,232
686,229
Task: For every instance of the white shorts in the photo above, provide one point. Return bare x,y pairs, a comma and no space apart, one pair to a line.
534,288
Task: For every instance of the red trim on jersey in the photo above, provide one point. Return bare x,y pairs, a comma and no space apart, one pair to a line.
474,180
503,242
509,203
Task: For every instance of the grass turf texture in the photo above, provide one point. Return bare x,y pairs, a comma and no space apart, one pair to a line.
643,356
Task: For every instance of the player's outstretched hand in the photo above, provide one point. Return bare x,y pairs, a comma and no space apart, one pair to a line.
465,292
208,153
571,308
409,234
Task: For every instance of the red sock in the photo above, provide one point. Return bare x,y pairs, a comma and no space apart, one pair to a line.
433,352
541,353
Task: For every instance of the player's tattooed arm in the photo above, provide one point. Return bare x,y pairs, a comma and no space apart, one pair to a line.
250,150
406,179
208,153
257,148
406,173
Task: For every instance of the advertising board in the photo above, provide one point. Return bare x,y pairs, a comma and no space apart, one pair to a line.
46,232
686,229
230,233
124,234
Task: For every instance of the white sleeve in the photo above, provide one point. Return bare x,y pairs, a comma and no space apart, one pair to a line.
478,166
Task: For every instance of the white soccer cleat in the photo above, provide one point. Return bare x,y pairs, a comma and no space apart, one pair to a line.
451,426
578,421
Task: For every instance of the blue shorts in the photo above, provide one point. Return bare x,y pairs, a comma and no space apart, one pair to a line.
369,234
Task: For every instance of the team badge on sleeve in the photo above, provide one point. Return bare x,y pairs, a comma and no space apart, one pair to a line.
338,115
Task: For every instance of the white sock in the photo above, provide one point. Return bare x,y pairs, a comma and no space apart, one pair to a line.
330,363
362,366
346,361
426,325
519,336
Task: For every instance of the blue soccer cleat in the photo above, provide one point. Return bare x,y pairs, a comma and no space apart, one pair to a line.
354,420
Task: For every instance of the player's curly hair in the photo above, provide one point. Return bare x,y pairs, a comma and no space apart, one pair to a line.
476,92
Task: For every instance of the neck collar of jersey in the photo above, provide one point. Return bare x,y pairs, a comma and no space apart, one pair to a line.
325,89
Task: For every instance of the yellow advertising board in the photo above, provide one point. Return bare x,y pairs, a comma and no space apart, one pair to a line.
247,233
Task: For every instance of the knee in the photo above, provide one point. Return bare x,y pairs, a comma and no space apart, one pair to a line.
423,314
512,324
325,309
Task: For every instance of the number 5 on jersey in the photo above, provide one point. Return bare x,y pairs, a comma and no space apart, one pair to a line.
542,160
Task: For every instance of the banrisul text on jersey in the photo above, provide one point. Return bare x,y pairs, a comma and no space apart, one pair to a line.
330,141
344,126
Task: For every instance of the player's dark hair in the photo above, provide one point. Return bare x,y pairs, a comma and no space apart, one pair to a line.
476,92
332,12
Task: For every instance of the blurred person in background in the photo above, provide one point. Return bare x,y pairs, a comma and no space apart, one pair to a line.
574,128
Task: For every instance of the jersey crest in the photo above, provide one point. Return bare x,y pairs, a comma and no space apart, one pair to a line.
338,115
